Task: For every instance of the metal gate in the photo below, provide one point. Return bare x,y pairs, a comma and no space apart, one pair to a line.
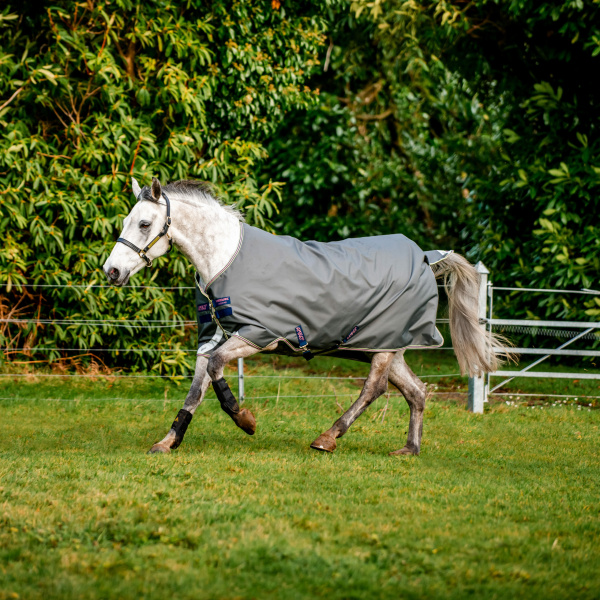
479,387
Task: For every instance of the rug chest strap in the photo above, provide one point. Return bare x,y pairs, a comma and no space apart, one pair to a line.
226,398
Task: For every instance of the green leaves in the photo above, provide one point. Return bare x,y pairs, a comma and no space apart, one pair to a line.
560,175
92,93
463,126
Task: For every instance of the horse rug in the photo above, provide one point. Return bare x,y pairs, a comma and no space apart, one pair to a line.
347,298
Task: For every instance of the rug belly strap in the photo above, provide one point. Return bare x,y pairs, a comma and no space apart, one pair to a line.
226,398
180,425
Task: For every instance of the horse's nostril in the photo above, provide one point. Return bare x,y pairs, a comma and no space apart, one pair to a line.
114,274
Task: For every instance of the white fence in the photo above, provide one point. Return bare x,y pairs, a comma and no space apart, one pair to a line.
479,387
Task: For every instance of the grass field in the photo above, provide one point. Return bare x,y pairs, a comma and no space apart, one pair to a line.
501,505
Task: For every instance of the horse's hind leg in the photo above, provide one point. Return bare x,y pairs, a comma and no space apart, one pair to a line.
194,398
413,389
375,385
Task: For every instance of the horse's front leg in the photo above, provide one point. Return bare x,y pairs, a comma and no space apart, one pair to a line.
194,398
233,348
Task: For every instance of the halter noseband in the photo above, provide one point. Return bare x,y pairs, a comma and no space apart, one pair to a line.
163,232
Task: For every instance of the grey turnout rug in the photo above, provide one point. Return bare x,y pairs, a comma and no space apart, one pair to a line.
346,298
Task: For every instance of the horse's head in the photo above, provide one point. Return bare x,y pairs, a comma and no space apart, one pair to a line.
145,234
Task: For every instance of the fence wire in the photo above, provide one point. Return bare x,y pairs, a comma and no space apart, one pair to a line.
500,395
109,376
152,324
68,286
341,395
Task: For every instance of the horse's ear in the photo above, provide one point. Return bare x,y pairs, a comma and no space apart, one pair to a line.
135,187
156,189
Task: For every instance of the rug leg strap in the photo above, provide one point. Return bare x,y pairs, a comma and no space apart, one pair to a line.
226,398
180,425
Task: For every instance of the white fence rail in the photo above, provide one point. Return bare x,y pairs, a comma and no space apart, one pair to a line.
479,387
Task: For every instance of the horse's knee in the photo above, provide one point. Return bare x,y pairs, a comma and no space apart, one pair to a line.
215,367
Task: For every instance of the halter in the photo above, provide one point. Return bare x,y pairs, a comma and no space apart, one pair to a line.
163,232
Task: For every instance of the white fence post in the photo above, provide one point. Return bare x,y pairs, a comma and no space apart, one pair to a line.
240,380
477,384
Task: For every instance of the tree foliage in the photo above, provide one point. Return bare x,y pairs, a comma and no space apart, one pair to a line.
464,125
392,141
470,126
95,92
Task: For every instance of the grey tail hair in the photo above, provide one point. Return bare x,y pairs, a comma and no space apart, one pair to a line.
473,344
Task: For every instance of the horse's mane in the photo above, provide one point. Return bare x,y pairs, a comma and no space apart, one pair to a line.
195,193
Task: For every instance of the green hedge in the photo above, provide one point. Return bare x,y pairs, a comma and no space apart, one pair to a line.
471,126
95,92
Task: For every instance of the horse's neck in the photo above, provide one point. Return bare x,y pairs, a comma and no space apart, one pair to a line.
207,234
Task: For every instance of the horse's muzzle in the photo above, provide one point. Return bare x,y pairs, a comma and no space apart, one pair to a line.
116,276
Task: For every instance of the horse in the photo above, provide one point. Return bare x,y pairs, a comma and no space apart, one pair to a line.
368,299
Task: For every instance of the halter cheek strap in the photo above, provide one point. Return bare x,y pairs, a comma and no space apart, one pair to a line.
164,231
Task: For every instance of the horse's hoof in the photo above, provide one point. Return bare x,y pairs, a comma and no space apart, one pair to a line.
324,443
158,449
404,451
245,421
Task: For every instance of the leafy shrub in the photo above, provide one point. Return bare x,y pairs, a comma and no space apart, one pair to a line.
471,126
93,93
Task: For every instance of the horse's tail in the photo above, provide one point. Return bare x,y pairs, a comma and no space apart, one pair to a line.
474,346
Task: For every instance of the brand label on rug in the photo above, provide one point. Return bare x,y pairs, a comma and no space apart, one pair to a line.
354,330
222,301
300,336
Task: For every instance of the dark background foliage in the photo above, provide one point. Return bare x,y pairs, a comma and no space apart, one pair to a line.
471,126
466,126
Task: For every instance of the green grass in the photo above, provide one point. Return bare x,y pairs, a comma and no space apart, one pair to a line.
501,505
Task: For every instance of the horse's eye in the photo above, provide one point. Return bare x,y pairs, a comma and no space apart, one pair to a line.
144,225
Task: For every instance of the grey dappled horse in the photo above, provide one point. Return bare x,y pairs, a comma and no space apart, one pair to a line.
322,309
